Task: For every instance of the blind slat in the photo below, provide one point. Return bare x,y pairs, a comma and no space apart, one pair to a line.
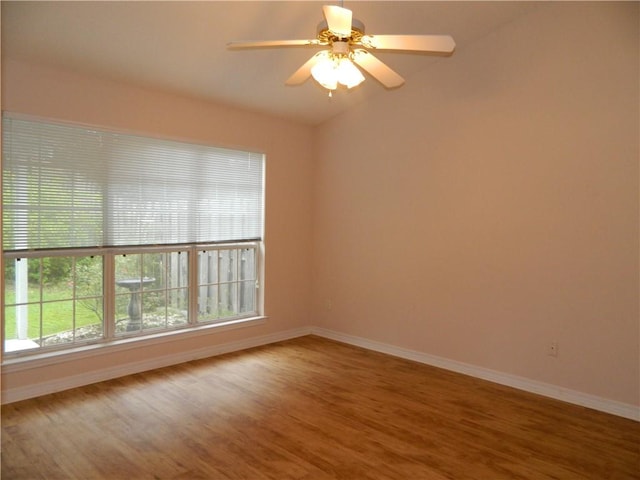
74,187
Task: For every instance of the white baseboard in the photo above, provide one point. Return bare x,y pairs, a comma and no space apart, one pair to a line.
559,393
46,387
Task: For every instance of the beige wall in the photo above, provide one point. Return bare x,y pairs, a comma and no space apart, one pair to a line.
490,206
44,92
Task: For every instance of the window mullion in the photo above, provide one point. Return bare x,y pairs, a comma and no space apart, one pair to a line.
219,282
41,293
193,285
109,302
74,298
238,257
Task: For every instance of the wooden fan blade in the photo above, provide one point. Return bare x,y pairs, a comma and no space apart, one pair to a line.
415,43
338,20
272,43
304,72
377,69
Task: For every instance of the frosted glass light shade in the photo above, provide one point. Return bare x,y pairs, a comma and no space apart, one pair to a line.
324,72
348,73
330,70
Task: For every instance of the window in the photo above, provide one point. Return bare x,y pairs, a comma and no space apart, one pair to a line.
226,282
56,301
107,235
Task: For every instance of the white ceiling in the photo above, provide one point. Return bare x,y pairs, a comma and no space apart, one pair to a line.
180,46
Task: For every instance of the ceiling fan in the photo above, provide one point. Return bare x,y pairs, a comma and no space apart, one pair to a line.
350,46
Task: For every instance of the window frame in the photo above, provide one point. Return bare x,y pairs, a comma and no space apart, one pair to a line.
109,336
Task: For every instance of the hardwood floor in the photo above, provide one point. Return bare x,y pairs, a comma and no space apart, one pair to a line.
310,408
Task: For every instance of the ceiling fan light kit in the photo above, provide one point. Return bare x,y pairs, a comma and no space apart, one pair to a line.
348,47
336,67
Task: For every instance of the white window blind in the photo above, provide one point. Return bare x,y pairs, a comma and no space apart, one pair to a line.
72,187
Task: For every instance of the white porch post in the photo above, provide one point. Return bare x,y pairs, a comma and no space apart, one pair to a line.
22,296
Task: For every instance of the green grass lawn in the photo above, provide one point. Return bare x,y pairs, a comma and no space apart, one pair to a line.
57,315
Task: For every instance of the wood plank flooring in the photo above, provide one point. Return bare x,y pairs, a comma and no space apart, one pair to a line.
310,408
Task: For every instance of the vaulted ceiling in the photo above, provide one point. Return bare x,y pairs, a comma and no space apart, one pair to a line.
180,46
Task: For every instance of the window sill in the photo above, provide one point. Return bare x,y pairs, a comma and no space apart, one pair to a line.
26,362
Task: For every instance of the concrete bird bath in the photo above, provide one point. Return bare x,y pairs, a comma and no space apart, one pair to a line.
135,286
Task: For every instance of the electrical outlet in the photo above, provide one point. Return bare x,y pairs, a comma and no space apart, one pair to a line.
552,349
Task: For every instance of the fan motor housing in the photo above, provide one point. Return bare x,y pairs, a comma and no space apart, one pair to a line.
325,36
